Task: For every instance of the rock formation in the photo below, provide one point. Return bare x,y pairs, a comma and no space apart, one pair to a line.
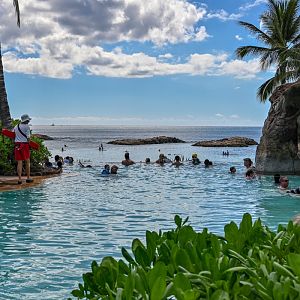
235,141
43,136
278,149
153,140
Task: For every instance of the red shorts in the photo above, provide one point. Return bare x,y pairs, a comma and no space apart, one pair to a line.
22,151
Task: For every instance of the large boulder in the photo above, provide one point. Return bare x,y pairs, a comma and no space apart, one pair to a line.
153,140
235,141
278,150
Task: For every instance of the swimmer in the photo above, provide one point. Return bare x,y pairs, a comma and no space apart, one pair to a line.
114,169
277,178
232,170
147,160
250,174
83,166
207,163
177,162
127,161
162,159
283,183
195,159
105,171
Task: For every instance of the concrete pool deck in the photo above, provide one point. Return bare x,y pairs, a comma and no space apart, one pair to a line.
10,183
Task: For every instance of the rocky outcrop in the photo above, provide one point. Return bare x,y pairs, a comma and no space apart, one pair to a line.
153,140
235,141
43,136
278,148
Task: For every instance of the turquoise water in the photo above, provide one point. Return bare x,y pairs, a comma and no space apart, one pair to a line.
50,234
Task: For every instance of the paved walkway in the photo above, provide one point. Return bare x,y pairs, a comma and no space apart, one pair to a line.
10,183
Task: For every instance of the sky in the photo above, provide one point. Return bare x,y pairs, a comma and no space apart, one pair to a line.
132,62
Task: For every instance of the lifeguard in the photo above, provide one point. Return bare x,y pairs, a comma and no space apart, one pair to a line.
22,149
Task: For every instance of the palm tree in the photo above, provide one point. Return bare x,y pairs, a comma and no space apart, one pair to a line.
280,33
5,116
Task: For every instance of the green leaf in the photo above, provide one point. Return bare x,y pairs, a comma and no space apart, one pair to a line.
294,263
178,221
182,259
77,293
158,288
220,295
181,282
186,234
127,256
246,224
129,286
159,270
151,239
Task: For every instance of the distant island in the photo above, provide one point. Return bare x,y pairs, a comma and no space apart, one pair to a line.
235,141
152,140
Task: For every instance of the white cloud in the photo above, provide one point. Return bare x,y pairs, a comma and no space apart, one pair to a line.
240,69
95,21
253,4
223,15
62,63
237,87
238,37
57,38
219,115
234,116
165,56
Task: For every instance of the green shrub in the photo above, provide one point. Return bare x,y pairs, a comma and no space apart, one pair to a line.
249,262
7,161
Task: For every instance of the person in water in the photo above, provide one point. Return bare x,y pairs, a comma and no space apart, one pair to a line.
277,178
207,163
195,159
22,150
177,161
250,174
114,169
248,164
284,183
105,171
147,160
83,166
232,170
162,159
127,161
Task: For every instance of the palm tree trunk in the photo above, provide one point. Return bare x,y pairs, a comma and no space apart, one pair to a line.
5,116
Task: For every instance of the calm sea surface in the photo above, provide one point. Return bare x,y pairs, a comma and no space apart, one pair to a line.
49,235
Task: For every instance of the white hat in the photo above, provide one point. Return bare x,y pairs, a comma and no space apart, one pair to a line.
25,118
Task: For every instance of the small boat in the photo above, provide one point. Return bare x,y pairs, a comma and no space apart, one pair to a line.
52,124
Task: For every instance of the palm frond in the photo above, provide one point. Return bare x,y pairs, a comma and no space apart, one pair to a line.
17,9
262,36
266,89
243,51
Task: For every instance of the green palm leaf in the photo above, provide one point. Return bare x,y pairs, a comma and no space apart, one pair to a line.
280,33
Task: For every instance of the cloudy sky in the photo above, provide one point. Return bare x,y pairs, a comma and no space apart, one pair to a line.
132,62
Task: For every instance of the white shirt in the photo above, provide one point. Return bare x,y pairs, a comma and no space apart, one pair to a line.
19,136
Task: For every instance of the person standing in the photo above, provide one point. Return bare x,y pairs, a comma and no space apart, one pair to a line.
22,151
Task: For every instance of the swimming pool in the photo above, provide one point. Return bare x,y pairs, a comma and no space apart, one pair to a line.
50,234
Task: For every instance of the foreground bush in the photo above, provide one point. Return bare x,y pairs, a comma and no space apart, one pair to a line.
249,262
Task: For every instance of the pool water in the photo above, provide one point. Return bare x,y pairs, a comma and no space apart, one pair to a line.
50,234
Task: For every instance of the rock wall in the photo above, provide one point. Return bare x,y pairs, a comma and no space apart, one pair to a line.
278,149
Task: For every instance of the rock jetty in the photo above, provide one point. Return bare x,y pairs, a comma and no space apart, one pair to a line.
152,140
43,136
235,141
